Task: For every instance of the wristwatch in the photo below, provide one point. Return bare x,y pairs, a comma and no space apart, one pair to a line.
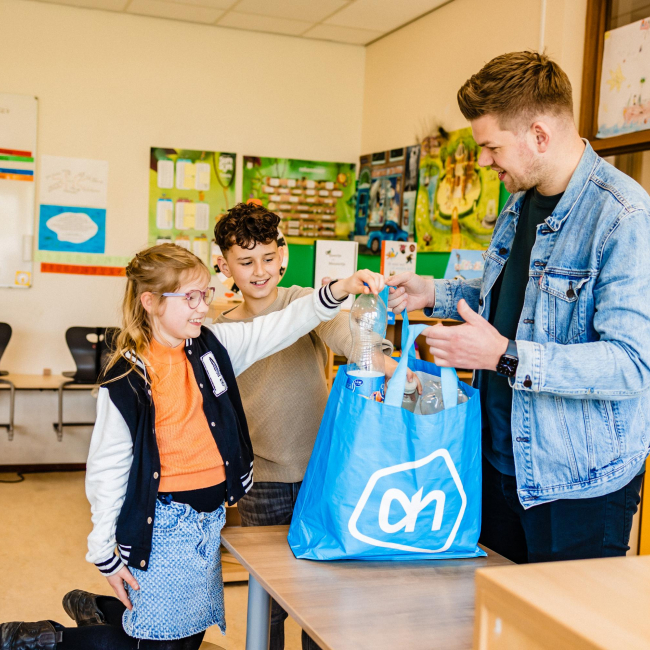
507,366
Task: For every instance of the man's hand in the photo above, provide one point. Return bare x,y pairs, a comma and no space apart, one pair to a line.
391,367
117,580
410,291
475,344
355,284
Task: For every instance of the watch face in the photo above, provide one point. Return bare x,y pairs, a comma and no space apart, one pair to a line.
507,365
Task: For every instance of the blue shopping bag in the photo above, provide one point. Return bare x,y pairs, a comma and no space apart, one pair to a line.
387,484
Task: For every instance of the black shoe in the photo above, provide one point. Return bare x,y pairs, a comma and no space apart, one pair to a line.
29,636
82,608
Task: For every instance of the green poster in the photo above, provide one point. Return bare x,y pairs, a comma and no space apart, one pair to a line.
188,191
458,201
315,200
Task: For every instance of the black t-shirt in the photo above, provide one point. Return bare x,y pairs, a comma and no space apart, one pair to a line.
507,302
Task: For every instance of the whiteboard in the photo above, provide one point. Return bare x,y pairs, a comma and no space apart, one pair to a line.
18,127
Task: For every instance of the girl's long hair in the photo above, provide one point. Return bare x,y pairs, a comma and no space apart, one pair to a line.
159,269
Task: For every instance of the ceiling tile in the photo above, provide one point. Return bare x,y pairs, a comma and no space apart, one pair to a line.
264,23
110,5
311,10
174,10
216,4
381,15
343,34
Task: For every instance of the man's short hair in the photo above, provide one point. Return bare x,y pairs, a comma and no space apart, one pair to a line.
515,87
246,225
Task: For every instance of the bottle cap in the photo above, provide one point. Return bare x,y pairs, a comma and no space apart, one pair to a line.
410,386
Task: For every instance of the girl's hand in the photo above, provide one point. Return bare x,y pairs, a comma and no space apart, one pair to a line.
391,366
355,284
117,580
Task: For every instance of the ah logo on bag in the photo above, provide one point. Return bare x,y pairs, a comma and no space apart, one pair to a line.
430,514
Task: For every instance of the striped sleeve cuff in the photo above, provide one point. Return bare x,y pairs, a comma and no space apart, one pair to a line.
327,297
110,566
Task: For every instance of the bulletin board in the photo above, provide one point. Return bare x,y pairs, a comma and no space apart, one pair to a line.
18,127
314,200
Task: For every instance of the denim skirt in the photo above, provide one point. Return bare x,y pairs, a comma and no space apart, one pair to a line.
181,593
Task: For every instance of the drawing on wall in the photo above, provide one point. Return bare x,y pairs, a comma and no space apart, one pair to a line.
314,200
624,105
458,201
73,195
188,191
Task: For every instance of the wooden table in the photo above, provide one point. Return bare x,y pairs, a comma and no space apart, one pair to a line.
424,605
580,605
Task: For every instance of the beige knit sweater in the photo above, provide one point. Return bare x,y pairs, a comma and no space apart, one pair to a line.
285,394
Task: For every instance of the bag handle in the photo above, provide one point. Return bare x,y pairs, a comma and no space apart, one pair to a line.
448,376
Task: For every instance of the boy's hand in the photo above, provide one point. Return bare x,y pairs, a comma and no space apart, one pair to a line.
355,284
410,291
391,366
117,581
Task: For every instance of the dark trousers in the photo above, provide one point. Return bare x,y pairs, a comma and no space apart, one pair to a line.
566,529
271,504
113,636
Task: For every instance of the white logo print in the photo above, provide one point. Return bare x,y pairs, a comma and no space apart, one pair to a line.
214,374
412,507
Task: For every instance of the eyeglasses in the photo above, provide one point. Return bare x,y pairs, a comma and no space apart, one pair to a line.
194,297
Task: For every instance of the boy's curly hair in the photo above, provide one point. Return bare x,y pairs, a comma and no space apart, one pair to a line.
246,225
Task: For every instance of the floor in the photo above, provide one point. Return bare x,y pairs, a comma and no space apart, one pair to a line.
44,522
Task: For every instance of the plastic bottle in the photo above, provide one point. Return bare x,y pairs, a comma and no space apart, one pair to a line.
410,398
366,371
431,399
462,396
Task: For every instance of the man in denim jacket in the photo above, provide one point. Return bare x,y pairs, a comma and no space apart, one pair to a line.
558,328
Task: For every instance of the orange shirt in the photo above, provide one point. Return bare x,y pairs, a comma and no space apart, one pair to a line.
189,457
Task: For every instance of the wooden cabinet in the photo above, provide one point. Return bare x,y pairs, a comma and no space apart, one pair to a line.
582,605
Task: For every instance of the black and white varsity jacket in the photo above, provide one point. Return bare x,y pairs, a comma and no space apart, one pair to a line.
123,468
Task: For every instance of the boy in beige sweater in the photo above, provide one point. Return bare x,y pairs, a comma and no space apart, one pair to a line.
284,395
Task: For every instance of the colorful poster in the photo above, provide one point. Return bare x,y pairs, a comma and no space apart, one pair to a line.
624,95
458,201
315,200
73,194
386,192
188,191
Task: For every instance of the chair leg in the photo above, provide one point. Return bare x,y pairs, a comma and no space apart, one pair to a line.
58,426
12,406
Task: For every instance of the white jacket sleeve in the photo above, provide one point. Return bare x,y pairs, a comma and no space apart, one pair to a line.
247,343
107,475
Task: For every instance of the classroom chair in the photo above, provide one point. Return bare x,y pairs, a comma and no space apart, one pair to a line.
89,347
5,337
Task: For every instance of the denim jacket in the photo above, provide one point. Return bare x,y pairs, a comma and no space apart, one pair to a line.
580,401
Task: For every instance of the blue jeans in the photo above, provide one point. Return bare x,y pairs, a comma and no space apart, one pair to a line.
271,504
566,529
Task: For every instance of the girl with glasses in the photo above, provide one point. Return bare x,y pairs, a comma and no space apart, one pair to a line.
169,449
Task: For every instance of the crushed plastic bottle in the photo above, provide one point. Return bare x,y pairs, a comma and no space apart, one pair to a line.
366,371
